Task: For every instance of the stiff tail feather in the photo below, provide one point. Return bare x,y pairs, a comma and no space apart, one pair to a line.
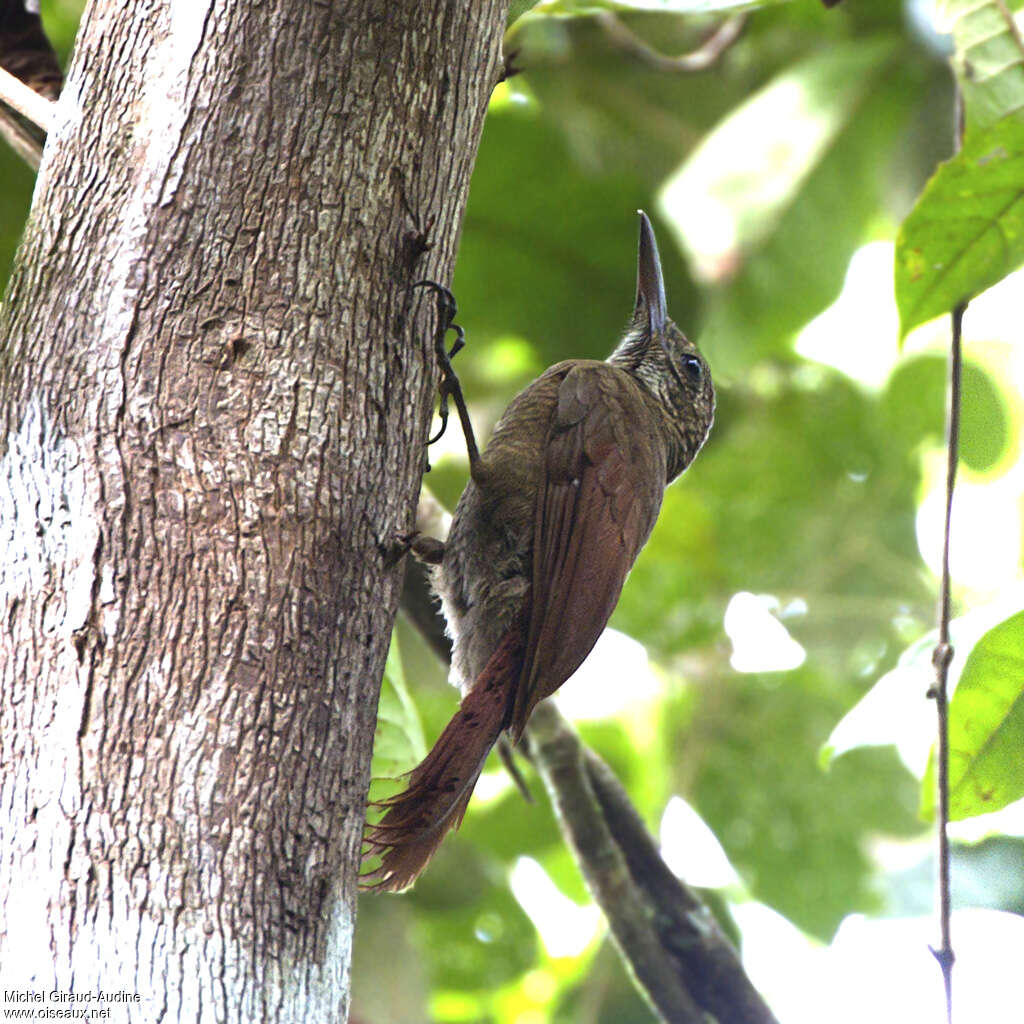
441,785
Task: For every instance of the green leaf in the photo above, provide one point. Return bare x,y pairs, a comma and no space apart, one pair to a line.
986,727
989,60
913,407
966,232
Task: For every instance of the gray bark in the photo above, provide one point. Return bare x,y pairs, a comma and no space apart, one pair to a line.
215,385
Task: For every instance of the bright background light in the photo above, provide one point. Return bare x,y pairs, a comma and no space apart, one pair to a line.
882,970
760,642
615,676
565,928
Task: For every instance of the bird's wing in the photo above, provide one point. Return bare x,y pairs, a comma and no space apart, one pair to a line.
604,481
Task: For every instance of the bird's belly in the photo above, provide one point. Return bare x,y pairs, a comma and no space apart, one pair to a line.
483,583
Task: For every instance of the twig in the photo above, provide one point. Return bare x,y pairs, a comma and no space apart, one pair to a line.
38,109
941,658
31,79
558,754
22,136
691,939
1011,23
700,59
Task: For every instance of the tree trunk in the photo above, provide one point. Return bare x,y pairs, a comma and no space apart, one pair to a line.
215,389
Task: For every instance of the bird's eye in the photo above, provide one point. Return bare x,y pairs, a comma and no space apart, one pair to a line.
694,369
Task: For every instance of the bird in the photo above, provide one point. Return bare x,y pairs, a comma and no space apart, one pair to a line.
555,512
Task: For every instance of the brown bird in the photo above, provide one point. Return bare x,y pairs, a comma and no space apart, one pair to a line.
555,513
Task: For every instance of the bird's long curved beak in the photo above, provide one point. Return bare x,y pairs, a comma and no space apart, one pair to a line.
650,286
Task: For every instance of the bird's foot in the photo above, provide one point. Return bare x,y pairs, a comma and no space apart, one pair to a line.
449,386
428,550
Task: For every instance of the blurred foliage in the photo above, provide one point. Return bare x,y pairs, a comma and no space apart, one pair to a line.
14,197
810,136
989,874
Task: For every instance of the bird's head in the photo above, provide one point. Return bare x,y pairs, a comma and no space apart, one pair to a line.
660,355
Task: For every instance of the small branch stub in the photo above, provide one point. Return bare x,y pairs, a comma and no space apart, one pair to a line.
38,109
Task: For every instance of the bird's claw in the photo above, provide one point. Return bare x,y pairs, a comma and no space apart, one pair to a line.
447,310
449,386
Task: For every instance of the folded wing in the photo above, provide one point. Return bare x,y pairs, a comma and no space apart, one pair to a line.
603,488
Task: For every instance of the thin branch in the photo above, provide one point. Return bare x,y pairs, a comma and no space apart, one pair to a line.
700,59
27,102
691,938
942,656
30,78
22,136
558,755
25,118
1011,24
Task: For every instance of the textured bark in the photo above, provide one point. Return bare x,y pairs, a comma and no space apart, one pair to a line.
214,393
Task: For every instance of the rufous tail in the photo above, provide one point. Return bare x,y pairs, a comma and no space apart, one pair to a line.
441,785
